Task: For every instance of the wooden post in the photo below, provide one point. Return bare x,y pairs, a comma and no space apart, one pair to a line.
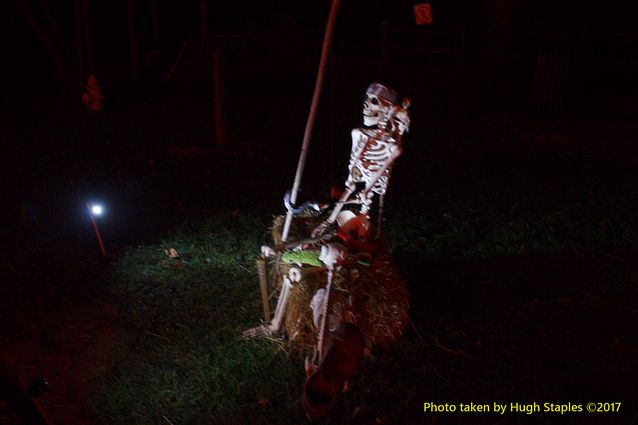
462,48
552,69
97,231
87,35
502,23
133,38
79,46
218,95
263,286
154,20
204,16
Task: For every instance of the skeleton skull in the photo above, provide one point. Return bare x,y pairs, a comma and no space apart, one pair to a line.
377,104
374,110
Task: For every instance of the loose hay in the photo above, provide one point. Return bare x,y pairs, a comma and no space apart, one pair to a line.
300,227
379,303
378,294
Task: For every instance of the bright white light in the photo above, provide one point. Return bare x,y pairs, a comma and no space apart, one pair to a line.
96,209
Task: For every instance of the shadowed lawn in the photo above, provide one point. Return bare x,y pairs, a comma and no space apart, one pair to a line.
523,295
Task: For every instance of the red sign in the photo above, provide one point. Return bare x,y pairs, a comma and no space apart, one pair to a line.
423,13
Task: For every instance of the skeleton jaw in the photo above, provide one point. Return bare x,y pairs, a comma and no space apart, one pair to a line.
370,120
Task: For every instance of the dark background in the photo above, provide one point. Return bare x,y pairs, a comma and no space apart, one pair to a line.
496,80
553,59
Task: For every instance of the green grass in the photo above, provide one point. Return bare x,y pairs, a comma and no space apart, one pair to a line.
476,335
483,224
180,358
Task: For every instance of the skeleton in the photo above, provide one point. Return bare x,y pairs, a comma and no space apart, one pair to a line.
371,163
374,149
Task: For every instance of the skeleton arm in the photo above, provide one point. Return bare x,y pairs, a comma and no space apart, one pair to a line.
361,197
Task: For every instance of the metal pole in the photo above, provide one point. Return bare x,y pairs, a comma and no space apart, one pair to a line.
327,41
97,232
99,237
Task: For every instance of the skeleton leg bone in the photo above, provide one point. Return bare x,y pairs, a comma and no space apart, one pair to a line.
275,324
282,303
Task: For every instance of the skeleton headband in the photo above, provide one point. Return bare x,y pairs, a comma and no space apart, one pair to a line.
384,92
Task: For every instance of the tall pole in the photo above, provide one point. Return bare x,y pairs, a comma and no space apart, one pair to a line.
327,41
98,235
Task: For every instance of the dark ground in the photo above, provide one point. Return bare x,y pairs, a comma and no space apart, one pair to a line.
137,156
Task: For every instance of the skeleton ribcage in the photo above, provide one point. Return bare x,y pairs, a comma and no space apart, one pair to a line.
364,166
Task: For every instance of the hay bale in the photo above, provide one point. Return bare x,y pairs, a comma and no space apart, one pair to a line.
379,303
300,228
382,302
378,293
